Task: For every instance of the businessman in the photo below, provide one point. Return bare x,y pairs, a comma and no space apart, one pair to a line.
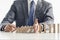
23,12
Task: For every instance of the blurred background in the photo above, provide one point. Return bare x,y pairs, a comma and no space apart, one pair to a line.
6,4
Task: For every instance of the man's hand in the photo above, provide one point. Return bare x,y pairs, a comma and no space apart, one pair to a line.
10,28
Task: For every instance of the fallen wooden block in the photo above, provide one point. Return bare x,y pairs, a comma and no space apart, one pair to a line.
24,29
27,29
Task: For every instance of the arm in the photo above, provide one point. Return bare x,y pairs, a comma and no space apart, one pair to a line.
49,19
9,18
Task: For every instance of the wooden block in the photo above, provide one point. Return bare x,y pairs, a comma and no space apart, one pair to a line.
58,28
44,28
24,29
40,28
53,28
49,28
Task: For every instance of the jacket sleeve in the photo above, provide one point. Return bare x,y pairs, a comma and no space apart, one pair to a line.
10,17
49,19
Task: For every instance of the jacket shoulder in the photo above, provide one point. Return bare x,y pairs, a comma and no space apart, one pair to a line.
47,3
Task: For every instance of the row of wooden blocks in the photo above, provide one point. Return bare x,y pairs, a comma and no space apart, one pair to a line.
24,29
55,27
30,29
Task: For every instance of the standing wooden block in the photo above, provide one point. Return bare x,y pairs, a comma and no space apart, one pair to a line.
58,28
44,28
53,28
36,26
49,28
40,28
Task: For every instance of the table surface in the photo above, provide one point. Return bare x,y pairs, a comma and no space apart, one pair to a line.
28,36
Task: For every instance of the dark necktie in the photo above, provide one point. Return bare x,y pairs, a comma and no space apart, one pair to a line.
31,14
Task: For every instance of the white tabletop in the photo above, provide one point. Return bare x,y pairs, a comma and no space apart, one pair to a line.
28,36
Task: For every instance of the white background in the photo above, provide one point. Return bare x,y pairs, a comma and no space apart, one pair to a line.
6,4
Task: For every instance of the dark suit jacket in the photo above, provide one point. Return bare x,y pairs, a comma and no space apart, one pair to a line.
19,13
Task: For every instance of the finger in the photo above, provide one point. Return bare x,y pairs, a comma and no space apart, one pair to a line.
10,28
7,28
13,26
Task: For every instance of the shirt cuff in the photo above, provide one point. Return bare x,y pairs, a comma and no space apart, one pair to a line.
2,26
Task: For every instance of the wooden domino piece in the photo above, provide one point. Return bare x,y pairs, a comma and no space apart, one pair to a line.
58,28
44,28
53,28
49,28
24,29
40,28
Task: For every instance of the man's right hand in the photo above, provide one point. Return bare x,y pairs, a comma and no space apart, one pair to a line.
10,28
